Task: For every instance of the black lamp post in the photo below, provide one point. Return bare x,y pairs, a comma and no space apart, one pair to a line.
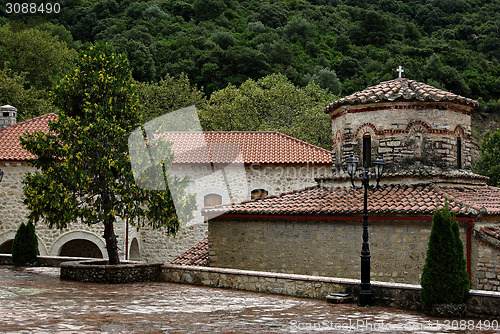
365,295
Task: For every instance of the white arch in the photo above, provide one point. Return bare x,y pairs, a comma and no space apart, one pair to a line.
138,248
10,235
99,242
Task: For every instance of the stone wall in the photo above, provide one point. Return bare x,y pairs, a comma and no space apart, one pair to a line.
481,304
322,247
154,245
487,262
405,134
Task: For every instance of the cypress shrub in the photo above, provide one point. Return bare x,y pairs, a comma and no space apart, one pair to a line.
25,245
444,276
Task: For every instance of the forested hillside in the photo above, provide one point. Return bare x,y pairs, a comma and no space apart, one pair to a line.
342,45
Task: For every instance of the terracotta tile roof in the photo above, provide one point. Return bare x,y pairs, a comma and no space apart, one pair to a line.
492,231
256,147
191,147
401,89
389,199
10,146
196,256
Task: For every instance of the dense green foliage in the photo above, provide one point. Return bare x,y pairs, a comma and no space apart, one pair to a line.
444,276
83,170
451,44
207,46
271,103
489,162
25,245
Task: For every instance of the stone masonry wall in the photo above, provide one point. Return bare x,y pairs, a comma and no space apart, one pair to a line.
321,247
487,270
405,134
154,245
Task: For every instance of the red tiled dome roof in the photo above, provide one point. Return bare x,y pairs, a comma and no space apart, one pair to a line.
389,199
400,89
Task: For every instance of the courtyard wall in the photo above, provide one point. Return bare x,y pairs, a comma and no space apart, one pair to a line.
322,247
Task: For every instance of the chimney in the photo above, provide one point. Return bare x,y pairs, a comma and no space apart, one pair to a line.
7,116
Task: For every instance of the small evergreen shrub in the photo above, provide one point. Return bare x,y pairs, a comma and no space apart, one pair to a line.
444,276
25,245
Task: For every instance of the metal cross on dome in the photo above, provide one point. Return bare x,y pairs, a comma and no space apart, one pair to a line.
400,70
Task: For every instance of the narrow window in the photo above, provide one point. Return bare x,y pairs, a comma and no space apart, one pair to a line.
459,153
367,151
212,200
259,193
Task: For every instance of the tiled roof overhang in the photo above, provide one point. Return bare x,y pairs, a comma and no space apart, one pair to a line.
401,89
404,200
191,148
10,145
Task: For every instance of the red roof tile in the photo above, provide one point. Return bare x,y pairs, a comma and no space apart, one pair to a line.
492,231
400,89
260,147
196,256
256,147
10,146
389,199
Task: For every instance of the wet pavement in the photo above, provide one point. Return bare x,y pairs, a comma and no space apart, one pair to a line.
35,300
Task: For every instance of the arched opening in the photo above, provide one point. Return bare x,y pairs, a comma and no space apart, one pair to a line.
80,248
259,193
134,254
212,200
6,247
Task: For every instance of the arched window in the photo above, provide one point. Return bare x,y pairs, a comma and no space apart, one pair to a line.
459,153
367,150
212,200
259,193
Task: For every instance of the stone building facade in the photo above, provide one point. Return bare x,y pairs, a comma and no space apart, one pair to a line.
292,165
423,135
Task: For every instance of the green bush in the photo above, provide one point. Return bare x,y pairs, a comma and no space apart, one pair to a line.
25,245
444,276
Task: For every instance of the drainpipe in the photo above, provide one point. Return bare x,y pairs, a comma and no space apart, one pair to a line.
469,233
126,240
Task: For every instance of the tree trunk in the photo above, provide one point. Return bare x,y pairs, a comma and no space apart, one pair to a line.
111,243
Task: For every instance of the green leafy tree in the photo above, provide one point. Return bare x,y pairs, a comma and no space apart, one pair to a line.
444,276
25,245
30,102
489,162
43,58
83,164
271,103
167,95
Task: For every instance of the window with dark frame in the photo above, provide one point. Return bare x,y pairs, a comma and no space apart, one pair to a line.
459,153
367,150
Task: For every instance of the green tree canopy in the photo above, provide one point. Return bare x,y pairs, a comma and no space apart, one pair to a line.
43,58
271,103
29,102
83,165
167,95
489,162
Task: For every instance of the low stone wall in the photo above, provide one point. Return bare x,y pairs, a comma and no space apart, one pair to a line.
101,272
44,261
482,304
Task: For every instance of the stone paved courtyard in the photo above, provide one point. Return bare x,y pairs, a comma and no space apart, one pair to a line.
35,300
